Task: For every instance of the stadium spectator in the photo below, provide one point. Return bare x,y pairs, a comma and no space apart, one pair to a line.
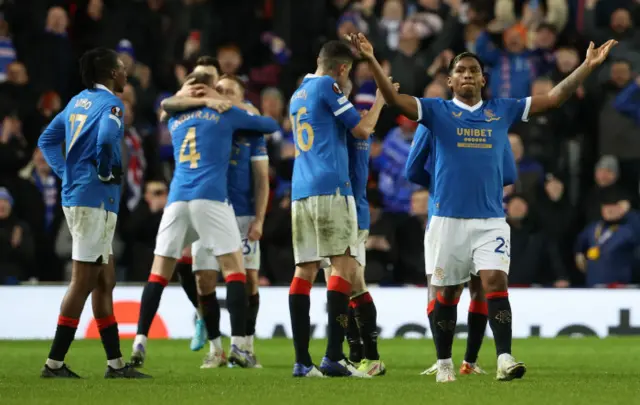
16,244
530,171
382,246
606,174
276,246
527,244
410,237
7,50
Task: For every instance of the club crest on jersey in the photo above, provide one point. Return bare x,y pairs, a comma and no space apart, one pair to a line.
490,116
117,111
336,88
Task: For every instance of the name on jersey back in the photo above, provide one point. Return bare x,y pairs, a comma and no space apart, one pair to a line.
199,115
83,103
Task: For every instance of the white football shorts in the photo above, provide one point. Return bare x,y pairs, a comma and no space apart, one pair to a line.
212,223
250,250
456,248
323,226
92,231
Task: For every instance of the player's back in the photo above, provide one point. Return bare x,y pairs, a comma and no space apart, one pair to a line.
246,148
321,163
359,150
80,183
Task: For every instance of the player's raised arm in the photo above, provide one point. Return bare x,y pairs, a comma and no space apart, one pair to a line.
107,140
50,143
566,88
407,104
414,169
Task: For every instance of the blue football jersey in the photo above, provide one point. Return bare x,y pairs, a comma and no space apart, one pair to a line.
320,116
359,176
470,149
246,148
91,129
202,140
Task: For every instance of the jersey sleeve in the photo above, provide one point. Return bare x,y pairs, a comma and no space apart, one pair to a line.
258,148
426,108
517,109
510,171
50,143
108,133
338,103
239,119
414,169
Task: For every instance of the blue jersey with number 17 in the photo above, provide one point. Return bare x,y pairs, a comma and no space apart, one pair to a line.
321,115
470,144
202,148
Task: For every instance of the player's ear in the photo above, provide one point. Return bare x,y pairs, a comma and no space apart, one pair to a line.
484,81
449,84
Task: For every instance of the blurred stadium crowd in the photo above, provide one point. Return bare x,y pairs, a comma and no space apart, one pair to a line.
572,211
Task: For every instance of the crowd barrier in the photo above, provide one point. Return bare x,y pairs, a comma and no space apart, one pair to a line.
31,312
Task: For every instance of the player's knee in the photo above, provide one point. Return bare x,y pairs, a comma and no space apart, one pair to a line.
451,293
206,281
163,266
475,289
494,281
252,281
307,271
231,263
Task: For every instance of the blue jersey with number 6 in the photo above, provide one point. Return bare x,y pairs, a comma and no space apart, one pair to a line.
320,117
202,148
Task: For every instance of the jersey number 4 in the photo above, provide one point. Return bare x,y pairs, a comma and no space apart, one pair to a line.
299,129
190,143
77,122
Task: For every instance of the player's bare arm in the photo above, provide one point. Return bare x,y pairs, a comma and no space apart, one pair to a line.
260,169
566,88
406,103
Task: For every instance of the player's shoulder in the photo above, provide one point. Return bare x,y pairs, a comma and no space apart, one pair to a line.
505,102
432,102
325,84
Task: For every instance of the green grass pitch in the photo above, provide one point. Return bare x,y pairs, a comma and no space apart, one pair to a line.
560,371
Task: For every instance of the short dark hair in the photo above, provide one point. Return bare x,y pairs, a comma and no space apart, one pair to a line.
463,55
200,78
236,79
335,53
96,66
208,61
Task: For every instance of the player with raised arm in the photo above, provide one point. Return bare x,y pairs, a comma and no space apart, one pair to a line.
91,129
468,233
198,209
323,209
419,169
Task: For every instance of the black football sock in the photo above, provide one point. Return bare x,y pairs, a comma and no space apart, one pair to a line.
299,306
367,316
338,290
150,302
65,333
353,336
108,328
252,313
477,325
188,282
444,317
500,320
430,307
237,303
210,314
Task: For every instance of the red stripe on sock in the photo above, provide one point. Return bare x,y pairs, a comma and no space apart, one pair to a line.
299,286
430,306
479,307
70,322
362,299
106,322
186,260
352,304
444,301
241,277
499,294
339,284
154,278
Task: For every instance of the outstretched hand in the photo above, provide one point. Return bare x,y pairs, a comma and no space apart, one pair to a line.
362,45
595,56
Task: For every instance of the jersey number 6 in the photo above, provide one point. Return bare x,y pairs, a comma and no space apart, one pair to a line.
190,143
299,128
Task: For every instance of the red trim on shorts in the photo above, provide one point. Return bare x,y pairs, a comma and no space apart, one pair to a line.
499,294
154,278
240,277
106,322
185,260
444,301
70,322
299,286
430,307
479,307
339,284
362,299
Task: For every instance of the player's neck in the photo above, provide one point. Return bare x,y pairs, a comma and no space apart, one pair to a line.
469,101
107,85
322,72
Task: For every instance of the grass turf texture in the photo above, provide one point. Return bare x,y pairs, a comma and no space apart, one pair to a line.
560,371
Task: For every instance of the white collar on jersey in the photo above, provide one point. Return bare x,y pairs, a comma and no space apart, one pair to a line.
311,76
462,105
103,87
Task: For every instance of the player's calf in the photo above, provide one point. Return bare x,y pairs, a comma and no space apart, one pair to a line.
338,293
206,281
299,306
477,325
444,318
253,306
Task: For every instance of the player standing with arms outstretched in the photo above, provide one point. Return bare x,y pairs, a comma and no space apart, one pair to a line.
91,129
323,209
468,233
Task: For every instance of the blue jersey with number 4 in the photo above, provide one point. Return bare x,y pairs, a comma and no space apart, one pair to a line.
202,141
91,129
469,148
321,115
359,175
246,148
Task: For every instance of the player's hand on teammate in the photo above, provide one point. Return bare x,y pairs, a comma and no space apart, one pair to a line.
219,105
362,45
395,86
595,56
255,230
